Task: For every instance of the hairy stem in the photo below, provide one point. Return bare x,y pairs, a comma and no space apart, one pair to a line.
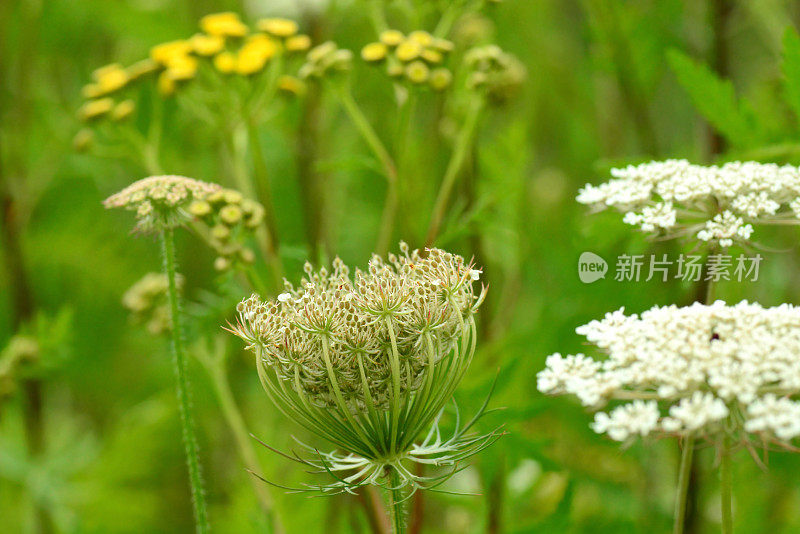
726,488
184,386
460,153
396,504
683,485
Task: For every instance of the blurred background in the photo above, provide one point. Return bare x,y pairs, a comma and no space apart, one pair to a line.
89,433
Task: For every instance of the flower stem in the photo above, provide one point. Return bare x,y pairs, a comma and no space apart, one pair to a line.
726,488
184,387
233,416
396,504
460,152
683,485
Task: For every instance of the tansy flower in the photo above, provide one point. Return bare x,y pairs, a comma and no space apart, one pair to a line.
167,52
291,85
109,79
278,27
391,37
298,43
417,72
95,109
225,62
207,45
255,53
422,37
123,110
408,50
440,79
223,25
374,52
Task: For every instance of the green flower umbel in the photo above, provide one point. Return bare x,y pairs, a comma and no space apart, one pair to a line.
369,363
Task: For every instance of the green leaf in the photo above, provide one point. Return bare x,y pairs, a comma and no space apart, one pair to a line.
715,99
791,69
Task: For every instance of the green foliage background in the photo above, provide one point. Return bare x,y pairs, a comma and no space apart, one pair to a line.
608,83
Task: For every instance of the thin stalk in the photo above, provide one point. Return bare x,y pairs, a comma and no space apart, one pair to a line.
396,503
683,485
460,152
233,416
184,386
726,488
375,144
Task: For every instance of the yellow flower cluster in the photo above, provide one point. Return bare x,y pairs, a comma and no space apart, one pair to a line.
230,218
225,43
417,57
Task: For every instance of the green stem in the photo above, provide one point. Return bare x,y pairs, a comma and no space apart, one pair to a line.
233,416
184,387
460,151
726,488
683,485
389,168
396,503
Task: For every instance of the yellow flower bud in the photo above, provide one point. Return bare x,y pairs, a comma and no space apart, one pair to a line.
183,68
408,51
222,264
199,208
391,37
298,43
443,45
223,24
441,79
247,255
231,196
417,72
95,109
220,232
421,37
374,52
123,110
278,27
207,45
254,54
319,52
110,78
167,52
230,214
225,62
432,56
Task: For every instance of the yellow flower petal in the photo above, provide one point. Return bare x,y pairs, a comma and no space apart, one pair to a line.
225,62
278,27
207,45
223,24
166,52
392,37
110,78
408,50
374,52
298,43
95,109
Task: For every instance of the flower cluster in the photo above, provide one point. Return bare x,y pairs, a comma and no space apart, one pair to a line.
369,362
710,367
496,73
717,204
147,302
417,58
325,59
230,218
336,334
225,47
161,201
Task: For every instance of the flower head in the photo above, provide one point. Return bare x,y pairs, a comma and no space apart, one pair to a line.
380,351
496,73
161,201
412,57
706,367
717,204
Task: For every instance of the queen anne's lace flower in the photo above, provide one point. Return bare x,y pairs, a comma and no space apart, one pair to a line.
369,361
717,203
705,365
161,201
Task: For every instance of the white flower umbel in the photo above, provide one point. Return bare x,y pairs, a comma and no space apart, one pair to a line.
703,370
718,204
368,362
